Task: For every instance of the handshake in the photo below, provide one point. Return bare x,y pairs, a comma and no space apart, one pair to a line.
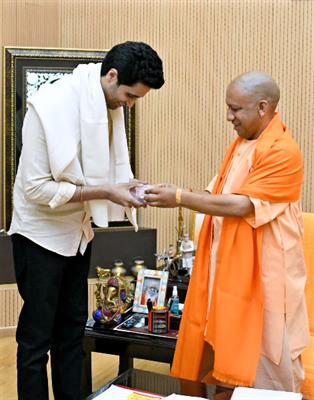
157,195
139,192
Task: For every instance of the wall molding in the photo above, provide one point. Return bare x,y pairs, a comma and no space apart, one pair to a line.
11,304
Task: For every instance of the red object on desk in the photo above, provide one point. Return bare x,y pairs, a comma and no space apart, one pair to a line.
159,320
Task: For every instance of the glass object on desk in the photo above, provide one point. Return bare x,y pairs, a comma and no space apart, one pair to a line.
174,301
165,385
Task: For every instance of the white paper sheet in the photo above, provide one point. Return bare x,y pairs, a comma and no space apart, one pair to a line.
243,393
119,393
182,397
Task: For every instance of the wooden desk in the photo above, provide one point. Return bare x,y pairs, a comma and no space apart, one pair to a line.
126,345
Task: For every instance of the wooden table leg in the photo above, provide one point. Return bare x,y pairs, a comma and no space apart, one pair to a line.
125,363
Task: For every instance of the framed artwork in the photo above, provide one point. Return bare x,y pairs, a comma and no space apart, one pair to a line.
151,284
24,71
196,221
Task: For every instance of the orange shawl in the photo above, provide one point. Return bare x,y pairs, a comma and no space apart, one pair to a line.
234,322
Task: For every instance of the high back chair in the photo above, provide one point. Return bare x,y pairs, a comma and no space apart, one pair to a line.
308,355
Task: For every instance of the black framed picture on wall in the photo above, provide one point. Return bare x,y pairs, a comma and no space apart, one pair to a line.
24,71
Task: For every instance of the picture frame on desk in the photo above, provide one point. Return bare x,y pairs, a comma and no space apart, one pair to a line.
151,284
24,71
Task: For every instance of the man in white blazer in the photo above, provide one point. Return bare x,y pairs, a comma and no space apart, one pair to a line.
74,168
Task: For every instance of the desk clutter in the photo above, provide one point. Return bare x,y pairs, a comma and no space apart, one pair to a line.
116,392
137,306
123,393
142,324
140,289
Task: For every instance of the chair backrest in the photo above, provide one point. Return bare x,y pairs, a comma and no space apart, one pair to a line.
308,355
196,221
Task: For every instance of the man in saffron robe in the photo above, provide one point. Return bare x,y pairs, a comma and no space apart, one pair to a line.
245,316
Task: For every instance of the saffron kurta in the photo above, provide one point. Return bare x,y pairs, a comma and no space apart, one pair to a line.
241,310
283,268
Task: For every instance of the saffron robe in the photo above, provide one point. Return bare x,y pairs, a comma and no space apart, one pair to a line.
235,320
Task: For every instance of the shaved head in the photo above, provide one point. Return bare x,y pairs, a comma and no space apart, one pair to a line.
258,85
251,99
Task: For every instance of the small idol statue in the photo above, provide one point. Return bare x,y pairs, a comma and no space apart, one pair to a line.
114,295
187,250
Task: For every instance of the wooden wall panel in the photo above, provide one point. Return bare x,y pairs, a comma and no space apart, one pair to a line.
30,23
181,129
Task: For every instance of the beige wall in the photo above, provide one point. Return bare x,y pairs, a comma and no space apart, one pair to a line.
181,129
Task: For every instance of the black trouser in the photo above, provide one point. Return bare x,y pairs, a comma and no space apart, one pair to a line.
53,317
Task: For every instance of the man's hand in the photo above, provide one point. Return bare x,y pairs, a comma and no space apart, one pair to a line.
233,205
120,194
117,193
162,195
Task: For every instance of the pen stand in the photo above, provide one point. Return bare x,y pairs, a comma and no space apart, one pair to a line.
159,320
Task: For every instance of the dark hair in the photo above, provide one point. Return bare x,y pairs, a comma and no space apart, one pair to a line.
135,62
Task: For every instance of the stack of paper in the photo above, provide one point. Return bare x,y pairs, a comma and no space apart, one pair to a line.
243,393
182,397
240,393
